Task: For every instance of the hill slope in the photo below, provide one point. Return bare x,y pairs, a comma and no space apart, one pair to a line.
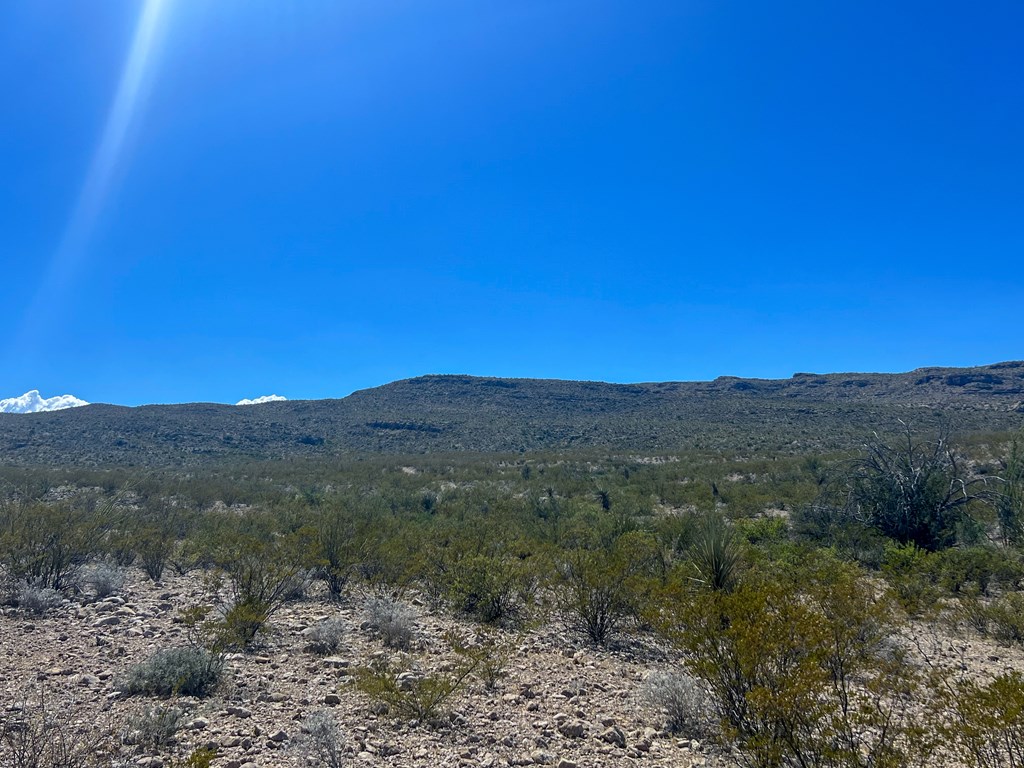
464,413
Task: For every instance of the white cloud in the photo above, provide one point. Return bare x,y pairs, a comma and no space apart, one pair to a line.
33,402
263,399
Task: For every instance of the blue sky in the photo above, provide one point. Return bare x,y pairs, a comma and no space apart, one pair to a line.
210,201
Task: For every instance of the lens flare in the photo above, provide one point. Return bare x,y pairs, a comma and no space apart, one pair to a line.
106,161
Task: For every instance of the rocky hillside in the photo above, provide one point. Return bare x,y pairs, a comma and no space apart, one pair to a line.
464,413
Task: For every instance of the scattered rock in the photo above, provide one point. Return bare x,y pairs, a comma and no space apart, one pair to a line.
615,736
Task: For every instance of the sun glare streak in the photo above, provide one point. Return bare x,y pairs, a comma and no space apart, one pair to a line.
109,153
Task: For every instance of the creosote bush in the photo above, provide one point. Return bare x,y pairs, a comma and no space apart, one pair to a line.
986,729
597,588
262,570
414,695
800,672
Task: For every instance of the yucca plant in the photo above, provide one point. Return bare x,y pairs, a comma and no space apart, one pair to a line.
715,555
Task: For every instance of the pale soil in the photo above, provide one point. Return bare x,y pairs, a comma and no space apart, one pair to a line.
559,696
560,703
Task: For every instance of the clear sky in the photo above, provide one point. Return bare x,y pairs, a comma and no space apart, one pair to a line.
215,200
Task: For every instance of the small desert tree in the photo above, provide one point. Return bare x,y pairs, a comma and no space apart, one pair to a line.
911,490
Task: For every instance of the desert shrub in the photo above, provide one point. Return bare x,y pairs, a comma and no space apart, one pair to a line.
338,547
37,600
981,567
200,757
1006,619
45,544
799,671
325,637
154,546
155,727
682,701
714,554
105,579
185,671
912,574
36,734
394,620
987,724
488,657
973,612
596,589
322,739
485,588
913,491
827,523
1010,502
414,695
262,572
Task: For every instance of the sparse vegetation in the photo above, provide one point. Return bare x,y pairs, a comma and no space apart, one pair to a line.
790,598
323,740
325,638
393,620
683,703
36,733
415,694
185,671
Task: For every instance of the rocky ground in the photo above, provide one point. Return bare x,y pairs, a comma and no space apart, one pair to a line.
559,703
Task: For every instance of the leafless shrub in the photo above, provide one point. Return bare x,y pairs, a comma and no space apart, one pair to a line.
36,734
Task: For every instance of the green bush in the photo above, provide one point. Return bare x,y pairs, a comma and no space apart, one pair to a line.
414,695
1006,619
186,671
154,545
715,555
262,570
1010,502
486,588
45,545
986,729
912,574
597,589
799,670
981,567
913,491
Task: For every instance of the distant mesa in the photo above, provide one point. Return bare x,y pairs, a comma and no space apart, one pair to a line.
262,399
33,402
